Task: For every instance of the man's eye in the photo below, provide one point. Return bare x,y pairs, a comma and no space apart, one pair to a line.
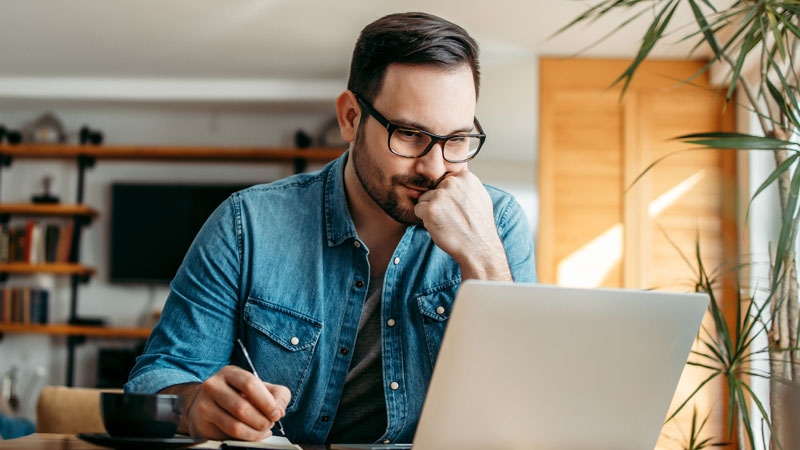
407,133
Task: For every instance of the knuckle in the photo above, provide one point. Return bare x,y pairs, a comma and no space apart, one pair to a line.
238,429
239,410
251,384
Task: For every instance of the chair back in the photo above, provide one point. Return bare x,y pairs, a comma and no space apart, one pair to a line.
70,410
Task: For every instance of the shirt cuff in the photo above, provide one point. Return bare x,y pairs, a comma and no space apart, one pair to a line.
153,381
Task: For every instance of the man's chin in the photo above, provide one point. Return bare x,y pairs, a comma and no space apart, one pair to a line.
406,217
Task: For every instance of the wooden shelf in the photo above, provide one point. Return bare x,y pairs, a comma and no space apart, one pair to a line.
75,330
41,209
177,153
54,268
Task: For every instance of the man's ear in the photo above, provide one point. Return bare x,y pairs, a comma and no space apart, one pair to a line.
348,112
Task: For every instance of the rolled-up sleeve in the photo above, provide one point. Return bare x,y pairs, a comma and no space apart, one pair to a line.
194,336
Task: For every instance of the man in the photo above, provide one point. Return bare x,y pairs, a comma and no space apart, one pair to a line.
340,282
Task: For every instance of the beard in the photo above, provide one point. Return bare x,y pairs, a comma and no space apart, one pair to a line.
384,190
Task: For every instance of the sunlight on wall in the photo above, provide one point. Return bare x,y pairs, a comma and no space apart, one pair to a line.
590,265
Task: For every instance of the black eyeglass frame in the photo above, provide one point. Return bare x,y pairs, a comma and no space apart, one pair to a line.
435,138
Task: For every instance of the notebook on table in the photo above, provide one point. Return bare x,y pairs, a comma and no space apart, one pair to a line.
532,366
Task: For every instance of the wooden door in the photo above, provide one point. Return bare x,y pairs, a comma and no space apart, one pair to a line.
598,227
602,225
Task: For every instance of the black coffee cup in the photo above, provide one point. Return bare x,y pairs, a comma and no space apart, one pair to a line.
141,415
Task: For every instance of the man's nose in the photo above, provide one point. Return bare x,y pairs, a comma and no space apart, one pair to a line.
432,164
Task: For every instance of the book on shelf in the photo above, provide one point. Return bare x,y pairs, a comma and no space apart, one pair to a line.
64,241
51,236
36,242
24,305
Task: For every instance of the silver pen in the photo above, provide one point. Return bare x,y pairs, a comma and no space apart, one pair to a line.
253,369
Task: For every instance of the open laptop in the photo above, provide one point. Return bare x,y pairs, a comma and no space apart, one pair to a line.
539,367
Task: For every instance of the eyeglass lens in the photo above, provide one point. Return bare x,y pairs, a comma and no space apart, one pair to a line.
409,142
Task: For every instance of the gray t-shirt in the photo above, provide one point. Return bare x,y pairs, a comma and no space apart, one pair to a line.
361,416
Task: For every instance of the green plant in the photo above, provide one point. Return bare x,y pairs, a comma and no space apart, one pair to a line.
755,43
695,440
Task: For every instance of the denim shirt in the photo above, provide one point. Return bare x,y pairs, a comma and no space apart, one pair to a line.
280,266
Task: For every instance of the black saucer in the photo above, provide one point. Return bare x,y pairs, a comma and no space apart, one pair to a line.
125,443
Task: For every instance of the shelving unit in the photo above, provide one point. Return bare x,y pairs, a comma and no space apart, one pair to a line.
54,268
75,330
86,157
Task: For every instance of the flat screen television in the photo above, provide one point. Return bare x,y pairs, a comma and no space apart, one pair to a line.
153,225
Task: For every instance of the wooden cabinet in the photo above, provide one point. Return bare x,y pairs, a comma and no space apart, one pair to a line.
86,156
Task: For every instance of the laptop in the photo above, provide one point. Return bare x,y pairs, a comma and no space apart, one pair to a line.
540,367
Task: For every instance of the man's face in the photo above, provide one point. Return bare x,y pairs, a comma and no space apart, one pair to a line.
436,100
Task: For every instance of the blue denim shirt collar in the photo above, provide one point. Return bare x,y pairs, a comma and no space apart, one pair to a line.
338,222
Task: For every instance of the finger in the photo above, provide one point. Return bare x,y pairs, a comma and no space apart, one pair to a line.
421,210
260,396
230,426
216,422
282,396
227,394
242,409
427,196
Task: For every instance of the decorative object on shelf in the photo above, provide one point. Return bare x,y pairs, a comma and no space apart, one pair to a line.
13,136
88,321
88,136
46,196
46,129
302,139
330,136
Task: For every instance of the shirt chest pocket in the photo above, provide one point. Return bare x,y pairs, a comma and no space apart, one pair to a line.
282,344
435,307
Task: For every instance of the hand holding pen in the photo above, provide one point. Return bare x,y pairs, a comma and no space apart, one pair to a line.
231,404
253,369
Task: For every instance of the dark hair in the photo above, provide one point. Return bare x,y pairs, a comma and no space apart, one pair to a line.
409,38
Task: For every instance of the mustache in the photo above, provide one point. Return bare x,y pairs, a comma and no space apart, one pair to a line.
419,181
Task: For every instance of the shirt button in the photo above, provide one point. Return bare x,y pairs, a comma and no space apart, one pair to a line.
391,322
359,284
440,310
326,418
294,340
344,351
396,261
394,385
357,244
387,441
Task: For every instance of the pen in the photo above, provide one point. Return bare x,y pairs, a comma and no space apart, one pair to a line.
253,369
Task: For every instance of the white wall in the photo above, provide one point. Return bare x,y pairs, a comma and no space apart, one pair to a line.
507,109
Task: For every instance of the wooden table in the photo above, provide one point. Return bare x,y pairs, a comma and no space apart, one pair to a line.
43,441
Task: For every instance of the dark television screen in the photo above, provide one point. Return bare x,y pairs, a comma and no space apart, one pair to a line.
153,225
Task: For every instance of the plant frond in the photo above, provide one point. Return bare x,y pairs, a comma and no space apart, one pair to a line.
691,396
788,222
773,177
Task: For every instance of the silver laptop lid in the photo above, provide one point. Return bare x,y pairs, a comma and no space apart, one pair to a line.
531,366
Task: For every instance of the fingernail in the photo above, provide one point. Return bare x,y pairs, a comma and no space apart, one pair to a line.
275,415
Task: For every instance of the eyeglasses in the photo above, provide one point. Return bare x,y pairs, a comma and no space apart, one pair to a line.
413,143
